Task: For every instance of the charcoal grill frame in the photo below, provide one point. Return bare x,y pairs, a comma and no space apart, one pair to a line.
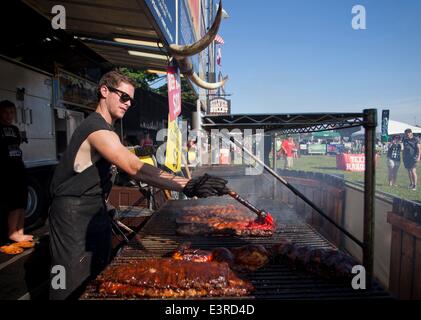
158,238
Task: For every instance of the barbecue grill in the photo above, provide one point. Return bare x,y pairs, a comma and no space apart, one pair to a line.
158,238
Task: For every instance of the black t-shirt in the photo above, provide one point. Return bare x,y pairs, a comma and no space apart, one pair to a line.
94,180
410,149
394,152
10,140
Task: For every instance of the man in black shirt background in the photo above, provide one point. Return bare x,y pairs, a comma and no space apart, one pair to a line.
411,156
13,185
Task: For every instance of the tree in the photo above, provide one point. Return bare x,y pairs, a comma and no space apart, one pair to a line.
142,78
187,93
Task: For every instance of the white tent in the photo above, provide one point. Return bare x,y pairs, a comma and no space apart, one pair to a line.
394,127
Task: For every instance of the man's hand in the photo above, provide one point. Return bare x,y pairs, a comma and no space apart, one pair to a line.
205,186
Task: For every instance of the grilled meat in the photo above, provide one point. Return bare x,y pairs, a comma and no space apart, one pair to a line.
250,257
328,263
222,220
169,278
247,258
223,255
185,252
202,214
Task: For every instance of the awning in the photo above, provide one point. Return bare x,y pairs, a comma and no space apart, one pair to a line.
394,128
112,28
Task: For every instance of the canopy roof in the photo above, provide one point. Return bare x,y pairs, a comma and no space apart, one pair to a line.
99,24
394,128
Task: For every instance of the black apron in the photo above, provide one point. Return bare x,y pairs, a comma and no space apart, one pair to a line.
80,228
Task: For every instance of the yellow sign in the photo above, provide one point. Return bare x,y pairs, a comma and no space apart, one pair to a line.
173,150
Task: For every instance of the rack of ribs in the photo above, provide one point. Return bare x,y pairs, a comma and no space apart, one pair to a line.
170,278
328,263
221,220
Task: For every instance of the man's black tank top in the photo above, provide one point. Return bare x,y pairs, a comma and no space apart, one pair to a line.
94,180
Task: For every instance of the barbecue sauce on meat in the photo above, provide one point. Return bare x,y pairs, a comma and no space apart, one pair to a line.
226,220
168,278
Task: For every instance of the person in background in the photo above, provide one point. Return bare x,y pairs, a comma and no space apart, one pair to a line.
288,147
295,153
411,156
14,188
379,146
192,151
394,159
146,141
146,144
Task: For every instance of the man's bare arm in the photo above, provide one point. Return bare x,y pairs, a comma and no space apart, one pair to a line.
108,144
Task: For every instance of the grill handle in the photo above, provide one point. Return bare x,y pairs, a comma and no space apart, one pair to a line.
247,204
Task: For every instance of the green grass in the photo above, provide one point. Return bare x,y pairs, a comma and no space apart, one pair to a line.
327,164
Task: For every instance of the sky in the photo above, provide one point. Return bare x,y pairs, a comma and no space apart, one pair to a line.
298,56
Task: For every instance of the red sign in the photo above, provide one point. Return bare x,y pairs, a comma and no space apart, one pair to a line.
174,92
350,162
194,6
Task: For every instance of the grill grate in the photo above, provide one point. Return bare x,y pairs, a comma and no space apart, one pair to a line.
274,281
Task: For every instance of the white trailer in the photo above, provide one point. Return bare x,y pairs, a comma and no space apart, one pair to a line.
46,122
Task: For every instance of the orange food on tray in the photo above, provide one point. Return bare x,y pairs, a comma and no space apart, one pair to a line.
11,249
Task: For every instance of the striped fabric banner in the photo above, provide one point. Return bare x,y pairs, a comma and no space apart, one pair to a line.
218,39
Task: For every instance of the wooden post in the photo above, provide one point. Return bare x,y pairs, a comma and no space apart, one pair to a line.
370,124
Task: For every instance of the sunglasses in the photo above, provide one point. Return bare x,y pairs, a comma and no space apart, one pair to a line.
124,97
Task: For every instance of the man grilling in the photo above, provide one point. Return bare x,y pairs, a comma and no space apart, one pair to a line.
80,228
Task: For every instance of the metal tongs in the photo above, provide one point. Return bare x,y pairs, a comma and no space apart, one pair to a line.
263,216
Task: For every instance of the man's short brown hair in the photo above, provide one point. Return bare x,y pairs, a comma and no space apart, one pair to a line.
6,104
113,79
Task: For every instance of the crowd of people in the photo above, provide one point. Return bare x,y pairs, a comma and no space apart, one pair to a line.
409,151
406,150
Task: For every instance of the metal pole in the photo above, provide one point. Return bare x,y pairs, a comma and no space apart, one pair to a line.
274,163
274,150
370,124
